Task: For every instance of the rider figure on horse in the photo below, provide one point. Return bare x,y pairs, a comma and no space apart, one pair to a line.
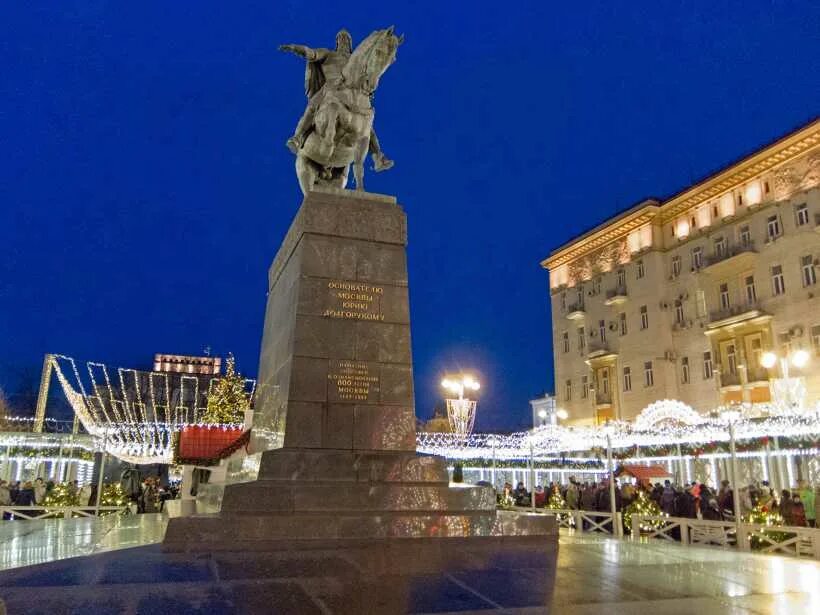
323,75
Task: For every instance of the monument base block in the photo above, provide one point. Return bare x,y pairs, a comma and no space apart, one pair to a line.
336,393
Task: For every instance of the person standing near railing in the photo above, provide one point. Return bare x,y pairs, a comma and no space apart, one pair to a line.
807,496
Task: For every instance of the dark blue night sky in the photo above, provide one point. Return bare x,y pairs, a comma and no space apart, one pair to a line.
145,185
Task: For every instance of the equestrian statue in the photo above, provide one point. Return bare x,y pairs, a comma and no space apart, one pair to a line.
336,129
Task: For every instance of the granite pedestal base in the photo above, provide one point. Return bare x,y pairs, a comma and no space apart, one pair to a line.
336,392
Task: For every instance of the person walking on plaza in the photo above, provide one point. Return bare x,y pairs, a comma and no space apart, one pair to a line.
798,511
785,508
85,494
572,496
39,491
25,497
807,497
667,502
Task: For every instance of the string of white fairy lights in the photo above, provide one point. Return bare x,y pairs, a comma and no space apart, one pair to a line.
552,439
131,428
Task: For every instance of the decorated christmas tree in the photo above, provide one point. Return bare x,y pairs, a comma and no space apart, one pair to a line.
62,495
643,505
113,495
556,502
761,515
227,400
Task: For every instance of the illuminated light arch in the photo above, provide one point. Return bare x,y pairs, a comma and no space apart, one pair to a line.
666,413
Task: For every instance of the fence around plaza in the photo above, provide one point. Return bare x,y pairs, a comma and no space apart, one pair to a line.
32,513
760,538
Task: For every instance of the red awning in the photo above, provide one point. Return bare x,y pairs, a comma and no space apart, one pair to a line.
643,472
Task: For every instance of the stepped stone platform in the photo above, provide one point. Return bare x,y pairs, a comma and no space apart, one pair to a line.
335,394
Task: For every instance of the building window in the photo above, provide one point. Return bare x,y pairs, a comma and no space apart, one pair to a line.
773,227
708,370
563,301
679,312
807,270
731,359
582,339
641,270
580,303
675,266
644,318
568,390
720,247
584,387
700,303
648,374
605,381
815,339
566,341
602,330
778,283
627,379
622,318
697,258
756,348
801,213
751,293
785,340
745,236
596,286
684,365
621,278
724,296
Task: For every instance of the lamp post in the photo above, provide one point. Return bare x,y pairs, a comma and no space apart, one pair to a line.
787,389
461,411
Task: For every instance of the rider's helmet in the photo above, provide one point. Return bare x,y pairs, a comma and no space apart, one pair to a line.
344,42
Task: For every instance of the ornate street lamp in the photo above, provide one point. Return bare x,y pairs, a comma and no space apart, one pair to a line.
461,411
788,393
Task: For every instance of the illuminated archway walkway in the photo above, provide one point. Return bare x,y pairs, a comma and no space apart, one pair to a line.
594,575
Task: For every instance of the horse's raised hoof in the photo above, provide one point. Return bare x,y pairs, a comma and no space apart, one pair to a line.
293,145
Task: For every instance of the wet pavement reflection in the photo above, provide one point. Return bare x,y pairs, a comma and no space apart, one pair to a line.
593,574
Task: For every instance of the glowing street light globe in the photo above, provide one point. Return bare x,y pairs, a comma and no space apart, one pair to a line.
800,358
461,411
562,414
768,360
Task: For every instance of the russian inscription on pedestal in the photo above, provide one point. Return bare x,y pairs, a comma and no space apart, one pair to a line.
354,300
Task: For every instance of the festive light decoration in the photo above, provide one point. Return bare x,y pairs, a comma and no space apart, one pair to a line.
134,415
113,495
666,411
227,400
762,515
62,495
556,501
643,505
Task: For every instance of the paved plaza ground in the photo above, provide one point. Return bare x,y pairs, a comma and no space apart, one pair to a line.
595,575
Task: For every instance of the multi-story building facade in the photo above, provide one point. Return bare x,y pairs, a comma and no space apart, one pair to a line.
679,298
184,364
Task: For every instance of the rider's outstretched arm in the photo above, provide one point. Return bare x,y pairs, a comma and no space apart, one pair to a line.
311,55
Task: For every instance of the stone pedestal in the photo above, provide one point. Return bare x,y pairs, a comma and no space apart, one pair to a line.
336,396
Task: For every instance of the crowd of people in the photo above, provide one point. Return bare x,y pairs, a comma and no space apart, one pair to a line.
798,507
146,496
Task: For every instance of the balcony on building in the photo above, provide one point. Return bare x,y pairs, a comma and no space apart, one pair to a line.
616,296
600,352
736,257
603,399
736,314
730,380
575,311
756,375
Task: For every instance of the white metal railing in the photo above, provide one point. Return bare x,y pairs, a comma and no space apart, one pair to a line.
29,513
782,540
582,520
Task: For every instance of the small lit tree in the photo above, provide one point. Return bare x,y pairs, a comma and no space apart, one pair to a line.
227,400
643,505
556,501
761,515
